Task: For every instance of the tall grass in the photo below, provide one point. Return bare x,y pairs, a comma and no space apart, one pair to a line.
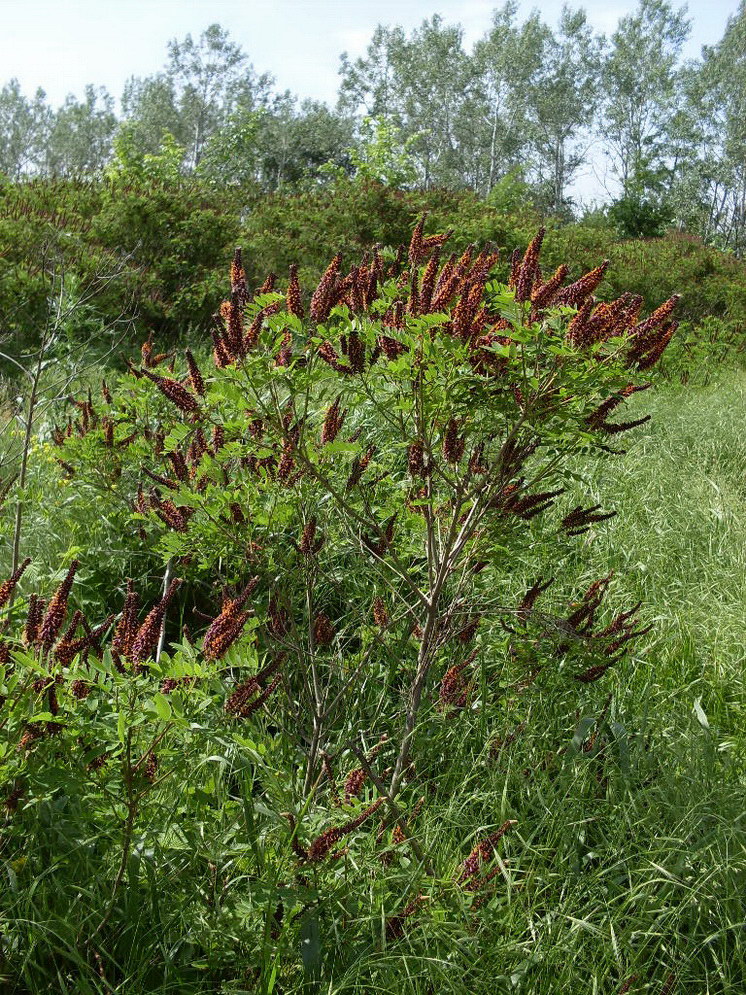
628,864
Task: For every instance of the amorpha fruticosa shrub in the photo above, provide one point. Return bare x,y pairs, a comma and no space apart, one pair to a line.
361,471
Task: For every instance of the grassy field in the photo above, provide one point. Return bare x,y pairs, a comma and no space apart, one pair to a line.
629,858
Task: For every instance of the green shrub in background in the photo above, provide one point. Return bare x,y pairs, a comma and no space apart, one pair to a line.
146,253
710,282
172,230
165,236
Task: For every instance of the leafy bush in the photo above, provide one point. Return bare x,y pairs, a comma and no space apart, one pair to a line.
361,484
708,280
640,216
144,253
149,246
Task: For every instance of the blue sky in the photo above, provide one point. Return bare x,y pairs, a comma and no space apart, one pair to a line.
63,44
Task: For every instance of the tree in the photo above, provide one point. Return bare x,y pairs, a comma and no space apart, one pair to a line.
424,84
283,144
382,154
437,84
231,153
205,73
81,134
562,102
506,60
295,141
149,108
203,82
370,83
24,128
642,90
710,193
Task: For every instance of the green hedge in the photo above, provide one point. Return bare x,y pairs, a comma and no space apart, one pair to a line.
167,244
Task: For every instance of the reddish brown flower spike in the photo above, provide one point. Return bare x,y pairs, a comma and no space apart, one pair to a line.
325,843
146,638
380,614
243,694
454,687
57,610
529,598
416,244
269,284
225,629
12,799
669,985
150,768
483,851
416,459
68,647
220,355
323,297
7,588
453,443
309,544
195,376
323,630
359,465
627,985
174,392
528,270
467,633
249,696
543,295
592,674
255,705
576,293
80,689
395,924
238,278
293,300
333,422
329,354
126,629
354,783
285,353
34,616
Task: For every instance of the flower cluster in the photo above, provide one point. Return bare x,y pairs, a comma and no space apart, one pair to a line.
249,696
322,846
469,877
225,629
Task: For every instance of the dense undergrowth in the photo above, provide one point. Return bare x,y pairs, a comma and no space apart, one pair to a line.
555,815
153,251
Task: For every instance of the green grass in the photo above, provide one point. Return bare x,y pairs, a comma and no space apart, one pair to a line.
628,858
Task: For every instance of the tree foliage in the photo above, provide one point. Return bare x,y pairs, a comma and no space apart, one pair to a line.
546,105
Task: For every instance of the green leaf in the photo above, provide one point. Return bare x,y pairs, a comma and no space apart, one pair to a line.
42,717
162,706
175,437
310,945
699,714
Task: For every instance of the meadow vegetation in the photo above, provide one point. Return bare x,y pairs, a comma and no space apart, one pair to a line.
434,686
372,594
